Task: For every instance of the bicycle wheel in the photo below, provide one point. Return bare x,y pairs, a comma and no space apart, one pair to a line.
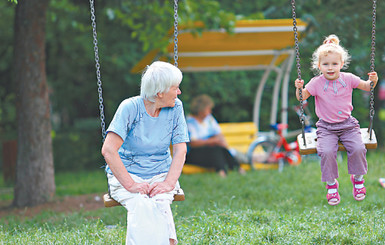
261,152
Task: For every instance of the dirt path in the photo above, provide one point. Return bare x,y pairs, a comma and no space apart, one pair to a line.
63,204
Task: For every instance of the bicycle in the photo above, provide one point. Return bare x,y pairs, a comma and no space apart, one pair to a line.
270,149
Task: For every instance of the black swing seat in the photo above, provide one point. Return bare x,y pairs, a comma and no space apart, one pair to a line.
311,142
109,202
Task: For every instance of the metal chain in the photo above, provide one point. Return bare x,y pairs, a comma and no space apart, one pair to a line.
176,33
372,58
295,30
97,65
373,47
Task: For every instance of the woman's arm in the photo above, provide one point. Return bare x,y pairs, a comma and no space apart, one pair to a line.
110,149
177,163
365,85
218,139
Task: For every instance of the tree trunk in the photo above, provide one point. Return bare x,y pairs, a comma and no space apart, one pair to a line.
35,180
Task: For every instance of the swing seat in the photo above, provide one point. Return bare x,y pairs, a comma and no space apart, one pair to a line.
110,202
311,142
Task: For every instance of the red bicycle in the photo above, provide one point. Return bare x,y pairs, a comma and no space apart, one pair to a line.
270,149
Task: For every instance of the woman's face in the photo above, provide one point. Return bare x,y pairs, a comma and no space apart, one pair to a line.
168,99
205,112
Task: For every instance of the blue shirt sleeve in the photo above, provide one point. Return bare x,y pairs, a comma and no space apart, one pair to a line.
123,118
180,132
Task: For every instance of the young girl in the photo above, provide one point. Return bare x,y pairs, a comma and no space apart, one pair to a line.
332,90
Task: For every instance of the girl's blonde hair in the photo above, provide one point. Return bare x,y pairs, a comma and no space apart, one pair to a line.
331,44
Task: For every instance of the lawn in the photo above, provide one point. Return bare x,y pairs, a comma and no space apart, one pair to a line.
262,207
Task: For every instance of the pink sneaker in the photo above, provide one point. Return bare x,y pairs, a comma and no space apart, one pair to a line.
358,194
333,199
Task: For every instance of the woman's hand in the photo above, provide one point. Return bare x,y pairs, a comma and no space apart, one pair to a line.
159,188
142,188
217,140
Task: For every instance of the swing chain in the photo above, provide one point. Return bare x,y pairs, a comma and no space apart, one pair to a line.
372,58
176,33
97,65
302,116
295,29
371,101
373,47
371,112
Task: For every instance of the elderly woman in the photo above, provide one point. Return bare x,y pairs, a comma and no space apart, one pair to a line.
136,150
208,147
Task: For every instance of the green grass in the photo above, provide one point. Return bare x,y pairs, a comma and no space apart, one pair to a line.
263,207
77,183
68,183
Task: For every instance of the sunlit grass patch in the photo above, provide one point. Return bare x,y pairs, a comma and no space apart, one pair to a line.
262,207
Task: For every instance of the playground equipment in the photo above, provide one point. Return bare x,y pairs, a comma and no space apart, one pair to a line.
307,141
254,45
265,45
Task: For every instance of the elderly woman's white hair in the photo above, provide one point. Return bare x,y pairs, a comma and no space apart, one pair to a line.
159,77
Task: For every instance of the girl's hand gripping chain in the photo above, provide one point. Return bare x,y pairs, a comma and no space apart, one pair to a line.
373,77
299,83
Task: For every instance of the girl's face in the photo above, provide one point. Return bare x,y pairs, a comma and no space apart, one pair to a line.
330,65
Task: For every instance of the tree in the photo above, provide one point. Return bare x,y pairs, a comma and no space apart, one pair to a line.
34,172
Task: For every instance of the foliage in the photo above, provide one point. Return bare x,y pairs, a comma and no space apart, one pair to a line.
263,207
72,150
150,21
127,30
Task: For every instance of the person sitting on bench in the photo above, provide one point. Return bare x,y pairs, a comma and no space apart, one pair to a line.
208,147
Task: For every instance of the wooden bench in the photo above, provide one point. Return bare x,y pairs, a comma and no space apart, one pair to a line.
238,136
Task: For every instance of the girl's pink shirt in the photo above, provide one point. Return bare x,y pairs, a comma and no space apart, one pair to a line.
333,98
